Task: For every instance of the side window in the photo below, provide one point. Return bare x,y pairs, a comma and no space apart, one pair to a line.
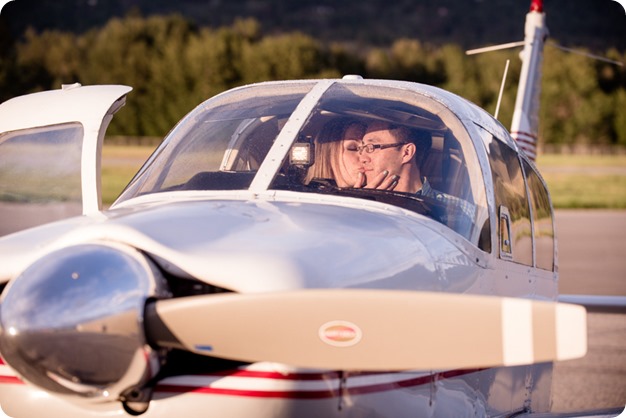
514,227
40,175
543,227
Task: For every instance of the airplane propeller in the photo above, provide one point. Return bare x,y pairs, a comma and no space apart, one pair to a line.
359,329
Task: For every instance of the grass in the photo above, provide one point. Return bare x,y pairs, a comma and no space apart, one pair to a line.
119,165
574,181
126,152
591,191
581,161
114,180
585,181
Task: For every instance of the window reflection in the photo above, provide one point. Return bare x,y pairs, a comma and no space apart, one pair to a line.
445,181
543,229
40,176
510,193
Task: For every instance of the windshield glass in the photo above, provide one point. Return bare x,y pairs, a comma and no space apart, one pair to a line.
394,146
367,141
220,144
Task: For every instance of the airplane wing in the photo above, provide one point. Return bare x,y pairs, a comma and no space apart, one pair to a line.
600,413
593,303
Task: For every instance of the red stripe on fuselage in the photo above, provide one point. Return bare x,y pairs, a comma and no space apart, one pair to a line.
517,134
303,377
274,375
11,379
296,394
309,394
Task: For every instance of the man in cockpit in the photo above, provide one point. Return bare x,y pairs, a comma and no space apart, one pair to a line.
390,157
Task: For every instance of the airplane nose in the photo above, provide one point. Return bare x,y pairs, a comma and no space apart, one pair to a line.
71,323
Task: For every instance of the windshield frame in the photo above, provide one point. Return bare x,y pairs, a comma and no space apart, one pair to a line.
286,138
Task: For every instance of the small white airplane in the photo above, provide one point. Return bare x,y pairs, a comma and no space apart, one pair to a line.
240,274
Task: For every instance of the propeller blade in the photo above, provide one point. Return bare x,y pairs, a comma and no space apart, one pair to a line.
370,329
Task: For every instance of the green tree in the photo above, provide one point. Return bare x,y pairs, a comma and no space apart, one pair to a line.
149,55
341,60
290,56
620,117
461,75
172,66
9,74
574,109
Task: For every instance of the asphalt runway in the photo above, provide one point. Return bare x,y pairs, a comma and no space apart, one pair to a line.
592,261
592,251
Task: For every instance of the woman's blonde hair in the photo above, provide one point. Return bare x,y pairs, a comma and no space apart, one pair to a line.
329,150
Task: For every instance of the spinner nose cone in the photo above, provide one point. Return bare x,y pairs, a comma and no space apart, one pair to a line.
72,322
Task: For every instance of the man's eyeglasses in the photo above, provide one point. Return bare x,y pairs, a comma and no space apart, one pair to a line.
369,148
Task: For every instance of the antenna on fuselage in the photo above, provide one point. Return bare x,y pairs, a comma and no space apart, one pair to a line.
506,70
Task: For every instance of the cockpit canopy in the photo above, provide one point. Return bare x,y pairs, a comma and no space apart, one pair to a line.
293,136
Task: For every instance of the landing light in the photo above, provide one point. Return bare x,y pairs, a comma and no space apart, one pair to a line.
301,154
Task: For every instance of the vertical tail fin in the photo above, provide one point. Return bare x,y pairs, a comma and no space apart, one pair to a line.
525,124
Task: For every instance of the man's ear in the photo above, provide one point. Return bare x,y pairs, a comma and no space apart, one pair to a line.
408,152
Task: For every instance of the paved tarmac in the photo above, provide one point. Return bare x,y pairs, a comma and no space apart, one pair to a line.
592,261
592,251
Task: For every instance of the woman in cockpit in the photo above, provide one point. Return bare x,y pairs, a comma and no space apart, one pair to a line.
336,153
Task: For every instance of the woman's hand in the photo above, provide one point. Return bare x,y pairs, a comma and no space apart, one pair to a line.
382,181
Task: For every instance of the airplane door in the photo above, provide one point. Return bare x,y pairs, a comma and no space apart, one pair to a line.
50,153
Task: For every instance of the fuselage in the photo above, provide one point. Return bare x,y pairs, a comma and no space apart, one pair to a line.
294,242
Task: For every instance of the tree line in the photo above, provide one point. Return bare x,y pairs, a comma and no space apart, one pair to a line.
173,65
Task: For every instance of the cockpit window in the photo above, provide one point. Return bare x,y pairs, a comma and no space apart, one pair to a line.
220,144
357,141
